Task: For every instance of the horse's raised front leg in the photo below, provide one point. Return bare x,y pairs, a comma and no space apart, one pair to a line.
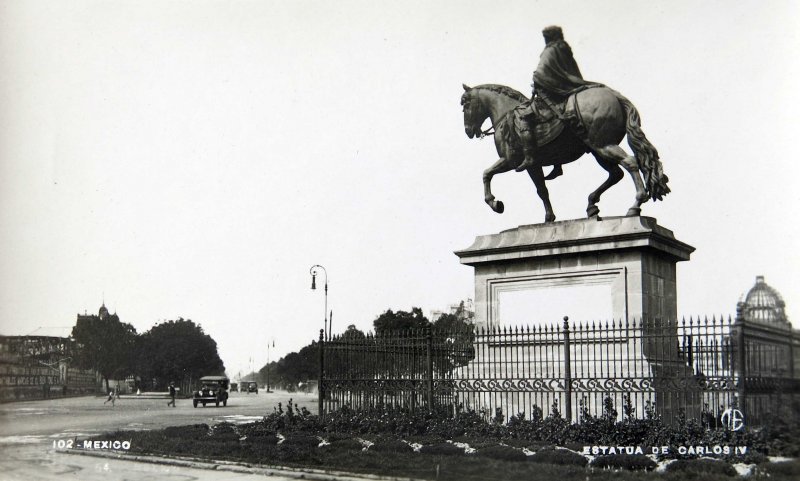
537,176
614,153
502,165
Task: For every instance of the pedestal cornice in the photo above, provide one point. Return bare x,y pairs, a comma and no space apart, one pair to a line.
575,237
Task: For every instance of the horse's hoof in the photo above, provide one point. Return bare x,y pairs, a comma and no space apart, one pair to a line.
549,218
499,207
634,212
592,211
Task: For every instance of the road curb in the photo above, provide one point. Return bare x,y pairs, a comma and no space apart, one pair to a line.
234,467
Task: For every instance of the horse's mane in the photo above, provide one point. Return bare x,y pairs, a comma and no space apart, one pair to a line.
504,90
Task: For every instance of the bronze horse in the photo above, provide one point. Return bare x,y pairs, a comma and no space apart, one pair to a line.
606,117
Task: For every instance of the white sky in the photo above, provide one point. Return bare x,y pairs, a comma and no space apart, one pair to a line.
196,158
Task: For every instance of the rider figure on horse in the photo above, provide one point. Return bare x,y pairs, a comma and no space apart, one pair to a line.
556,77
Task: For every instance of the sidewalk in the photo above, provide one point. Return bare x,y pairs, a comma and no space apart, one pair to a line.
275,473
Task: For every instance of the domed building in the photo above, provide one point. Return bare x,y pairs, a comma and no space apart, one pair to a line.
102,314
763,305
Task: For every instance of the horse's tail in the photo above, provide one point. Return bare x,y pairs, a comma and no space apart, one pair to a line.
655,181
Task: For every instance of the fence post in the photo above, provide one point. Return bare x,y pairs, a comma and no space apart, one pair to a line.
429,366
567,373
742,369
320,389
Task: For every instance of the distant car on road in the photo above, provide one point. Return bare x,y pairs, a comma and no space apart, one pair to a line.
214,390
252,387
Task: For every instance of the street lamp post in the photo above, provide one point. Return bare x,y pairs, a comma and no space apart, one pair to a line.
273,345
313,271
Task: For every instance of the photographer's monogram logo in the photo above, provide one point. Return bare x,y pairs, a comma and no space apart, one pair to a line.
733,419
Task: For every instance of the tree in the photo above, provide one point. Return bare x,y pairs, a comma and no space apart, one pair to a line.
177,351
454,337
106,345
400,320
352,333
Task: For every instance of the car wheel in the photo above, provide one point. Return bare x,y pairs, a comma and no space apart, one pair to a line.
194,403
217,403
224,403
204,404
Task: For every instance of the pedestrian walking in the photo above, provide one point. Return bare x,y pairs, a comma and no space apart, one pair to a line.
110,398
171,394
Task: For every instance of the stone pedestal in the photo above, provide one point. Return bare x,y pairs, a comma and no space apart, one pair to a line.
634,256
633,259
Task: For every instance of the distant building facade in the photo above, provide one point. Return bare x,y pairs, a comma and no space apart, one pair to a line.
773,349
42,367
467,312
39,367
764,305
102,314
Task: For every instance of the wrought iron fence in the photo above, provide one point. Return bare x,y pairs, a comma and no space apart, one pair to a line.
692,368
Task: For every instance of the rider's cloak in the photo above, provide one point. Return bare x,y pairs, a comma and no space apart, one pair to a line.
557,72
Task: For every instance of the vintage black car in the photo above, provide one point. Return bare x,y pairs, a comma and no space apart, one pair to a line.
214,390
252,387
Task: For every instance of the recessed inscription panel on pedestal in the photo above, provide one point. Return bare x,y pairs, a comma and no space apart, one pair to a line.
545,301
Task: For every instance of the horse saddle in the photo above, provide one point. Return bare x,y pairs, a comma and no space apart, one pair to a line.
537,116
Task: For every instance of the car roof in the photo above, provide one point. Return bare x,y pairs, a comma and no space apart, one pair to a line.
213,378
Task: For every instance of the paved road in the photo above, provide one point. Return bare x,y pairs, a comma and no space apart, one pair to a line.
29,429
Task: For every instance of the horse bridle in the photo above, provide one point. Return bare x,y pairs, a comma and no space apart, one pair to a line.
483,133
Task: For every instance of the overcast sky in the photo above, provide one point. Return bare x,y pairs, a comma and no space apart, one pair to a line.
195,159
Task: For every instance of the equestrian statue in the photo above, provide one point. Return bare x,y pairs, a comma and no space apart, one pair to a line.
565,118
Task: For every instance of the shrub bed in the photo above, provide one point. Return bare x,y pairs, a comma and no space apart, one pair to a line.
344,445
631,462
558,456
702,467
503,453
391,446
785,469
393,430
301,440
262,438
442,449
195,431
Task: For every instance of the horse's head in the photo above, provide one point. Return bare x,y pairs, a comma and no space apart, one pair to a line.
474,112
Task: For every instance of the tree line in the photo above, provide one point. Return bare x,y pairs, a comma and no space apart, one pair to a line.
297,368
172,351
